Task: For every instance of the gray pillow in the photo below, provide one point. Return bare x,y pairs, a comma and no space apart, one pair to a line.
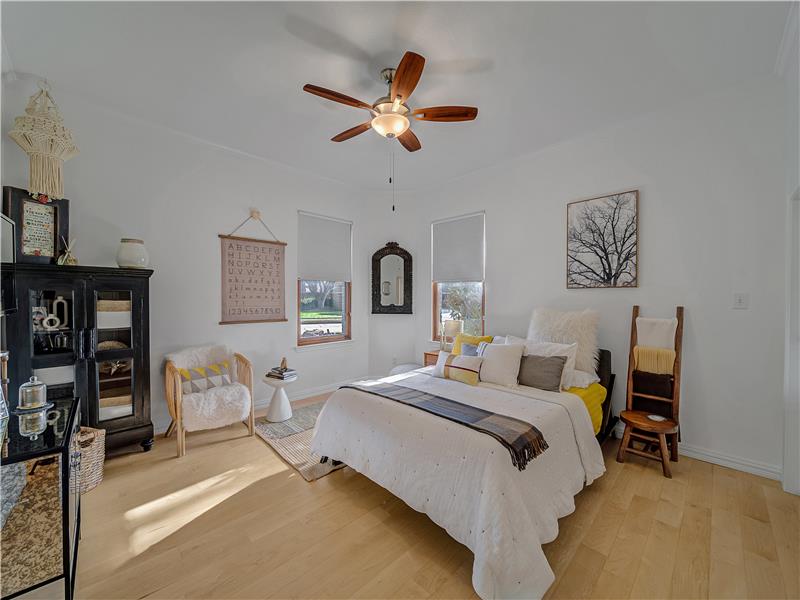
469,349
543,372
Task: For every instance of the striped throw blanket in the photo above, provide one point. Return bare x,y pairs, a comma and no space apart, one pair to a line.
522,440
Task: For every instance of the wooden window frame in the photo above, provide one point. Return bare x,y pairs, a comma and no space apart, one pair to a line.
328,338
435,314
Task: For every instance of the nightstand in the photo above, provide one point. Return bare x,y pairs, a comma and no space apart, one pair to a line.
430,357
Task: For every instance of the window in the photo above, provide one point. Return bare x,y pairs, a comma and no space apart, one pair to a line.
457,267
459,301
324,311
323,284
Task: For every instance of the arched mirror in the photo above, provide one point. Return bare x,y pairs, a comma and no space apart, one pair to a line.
391,281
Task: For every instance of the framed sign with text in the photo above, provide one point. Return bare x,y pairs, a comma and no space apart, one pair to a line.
253,282
41,227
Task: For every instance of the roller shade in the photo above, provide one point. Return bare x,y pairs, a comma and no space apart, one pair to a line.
324,247
457,249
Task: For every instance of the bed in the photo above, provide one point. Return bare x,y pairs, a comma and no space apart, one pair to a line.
464,480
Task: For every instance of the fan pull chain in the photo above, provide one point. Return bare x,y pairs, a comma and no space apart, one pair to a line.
391,180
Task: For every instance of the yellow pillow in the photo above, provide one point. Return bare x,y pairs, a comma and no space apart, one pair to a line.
474,340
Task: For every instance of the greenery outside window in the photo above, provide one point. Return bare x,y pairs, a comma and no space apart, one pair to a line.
323,311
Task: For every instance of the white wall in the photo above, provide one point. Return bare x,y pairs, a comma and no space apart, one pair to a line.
136,180
711,174
788,65
711,179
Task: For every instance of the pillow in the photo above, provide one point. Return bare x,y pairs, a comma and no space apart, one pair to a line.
501,363
465,369
543,372
550,349
581,379
469,349
566,328
200,379
499,339
474,340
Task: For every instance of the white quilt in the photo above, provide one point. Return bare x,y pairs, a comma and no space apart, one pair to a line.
463,479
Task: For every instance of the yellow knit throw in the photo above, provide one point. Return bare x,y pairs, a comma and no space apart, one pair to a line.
653,360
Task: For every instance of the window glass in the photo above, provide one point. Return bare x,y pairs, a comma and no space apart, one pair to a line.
323,310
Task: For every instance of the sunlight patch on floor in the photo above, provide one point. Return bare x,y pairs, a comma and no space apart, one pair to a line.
156,520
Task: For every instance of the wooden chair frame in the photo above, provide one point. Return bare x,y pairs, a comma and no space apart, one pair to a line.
660,439
174,393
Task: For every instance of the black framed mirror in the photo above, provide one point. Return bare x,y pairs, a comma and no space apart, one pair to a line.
391,281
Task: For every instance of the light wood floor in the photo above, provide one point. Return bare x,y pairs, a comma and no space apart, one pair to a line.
231,520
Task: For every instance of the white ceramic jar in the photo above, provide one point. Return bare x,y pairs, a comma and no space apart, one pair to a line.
132,254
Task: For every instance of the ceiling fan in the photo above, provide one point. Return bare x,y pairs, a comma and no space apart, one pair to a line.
390,113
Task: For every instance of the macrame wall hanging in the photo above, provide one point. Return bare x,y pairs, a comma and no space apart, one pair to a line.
40,132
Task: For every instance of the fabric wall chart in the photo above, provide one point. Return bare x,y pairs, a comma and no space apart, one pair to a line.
253,278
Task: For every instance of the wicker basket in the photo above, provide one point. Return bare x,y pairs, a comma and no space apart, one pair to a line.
93,454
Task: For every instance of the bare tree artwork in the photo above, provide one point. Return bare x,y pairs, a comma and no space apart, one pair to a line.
602,241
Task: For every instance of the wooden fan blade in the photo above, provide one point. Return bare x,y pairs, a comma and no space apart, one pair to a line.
407,75
335,96
410,141
352,132
445,113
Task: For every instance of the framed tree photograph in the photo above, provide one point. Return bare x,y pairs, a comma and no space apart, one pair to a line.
603,241
41,227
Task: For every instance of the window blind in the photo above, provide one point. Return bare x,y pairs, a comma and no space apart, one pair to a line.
457,249
324,248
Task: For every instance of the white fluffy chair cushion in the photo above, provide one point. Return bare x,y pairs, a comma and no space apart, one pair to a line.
566,328
202,356
216,407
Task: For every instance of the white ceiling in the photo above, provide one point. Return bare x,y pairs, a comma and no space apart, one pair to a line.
232,73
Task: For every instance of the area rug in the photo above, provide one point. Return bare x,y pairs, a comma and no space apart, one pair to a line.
291,439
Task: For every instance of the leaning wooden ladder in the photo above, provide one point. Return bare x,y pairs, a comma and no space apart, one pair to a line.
660,437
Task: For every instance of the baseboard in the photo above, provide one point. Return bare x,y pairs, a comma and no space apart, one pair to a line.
733,462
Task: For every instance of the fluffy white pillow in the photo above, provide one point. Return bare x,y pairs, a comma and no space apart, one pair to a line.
566,328
550,349
581,379
501,363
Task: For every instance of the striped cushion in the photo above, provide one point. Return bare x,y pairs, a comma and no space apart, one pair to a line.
465,369
200,379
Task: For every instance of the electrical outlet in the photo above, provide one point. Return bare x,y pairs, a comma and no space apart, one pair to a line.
741,300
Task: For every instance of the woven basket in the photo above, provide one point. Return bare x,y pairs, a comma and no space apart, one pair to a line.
93,455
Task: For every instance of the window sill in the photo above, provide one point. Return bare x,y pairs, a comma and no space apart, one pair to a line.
322,345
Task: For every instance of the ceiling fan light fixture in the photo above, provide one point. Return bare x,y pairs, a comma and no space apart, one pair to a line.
390,124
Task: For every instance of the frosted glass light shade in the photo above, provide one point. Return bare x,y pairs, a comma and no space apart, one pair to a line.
390,125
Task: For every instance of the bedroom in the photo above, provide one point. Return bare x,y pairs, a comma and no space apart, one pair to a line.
187,126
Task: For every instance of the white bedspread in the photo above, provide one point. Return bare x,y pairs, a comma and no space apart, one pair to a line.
463,479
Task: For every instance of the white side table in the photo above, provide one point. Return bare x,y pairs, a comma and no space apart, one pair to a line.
279,407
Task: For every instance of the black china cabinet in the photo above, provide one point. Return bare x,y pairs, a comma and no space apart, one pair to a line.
85,332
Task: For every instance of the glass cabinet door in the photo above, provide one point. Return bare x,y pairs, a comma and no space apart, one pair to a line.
114,353
55,334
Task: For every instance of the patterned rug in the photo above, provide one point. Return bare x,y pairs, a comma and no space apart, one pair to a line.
291,439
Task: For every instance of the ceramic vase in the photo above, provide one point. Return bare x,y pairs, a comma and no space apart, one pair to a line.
132,254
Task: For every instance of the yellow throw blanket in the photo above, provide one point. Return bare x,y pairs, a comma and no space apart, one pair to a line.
593,397
653,360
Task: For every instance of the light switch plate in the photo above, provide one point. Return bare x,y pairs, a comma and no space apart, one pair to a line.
741,300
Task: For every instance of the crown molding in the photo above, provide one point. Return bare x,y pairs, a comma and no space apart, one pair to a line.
789,40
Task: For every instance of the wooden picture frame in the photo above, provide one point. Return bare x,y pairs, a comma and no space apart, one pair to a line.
41,227
260,267
602,249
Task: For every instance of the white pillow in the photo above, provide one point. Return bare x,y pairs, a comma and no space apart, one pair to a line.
550,349
566,328
501,363
499,339
581,379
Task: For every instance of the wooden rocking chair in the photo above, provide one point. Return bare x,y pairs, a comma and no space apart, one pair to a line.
659,436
